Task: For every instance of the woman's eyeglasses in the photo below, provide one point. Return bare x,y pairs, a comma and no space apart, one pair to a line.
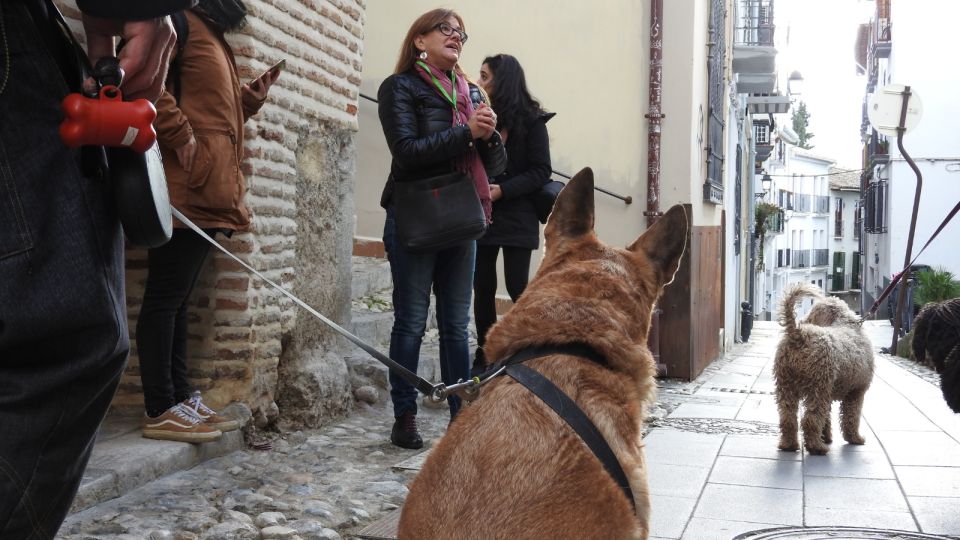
448,30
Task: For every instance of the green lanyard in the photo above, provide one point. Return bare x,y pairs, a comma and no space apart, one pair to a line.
453,76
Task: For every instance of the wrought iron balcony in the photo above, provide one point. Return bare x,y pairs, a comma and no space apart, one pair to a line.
821,257
754,57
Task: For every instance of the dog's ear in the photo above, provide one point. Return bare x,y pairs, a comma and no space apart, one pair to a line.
664,242
572,214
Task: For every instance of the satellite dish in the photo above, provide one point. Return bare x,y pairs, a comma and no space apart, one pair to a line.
884,107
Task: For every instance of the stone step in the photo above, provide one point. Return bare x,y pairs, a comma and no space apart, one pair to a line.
371,318
370,275
122,460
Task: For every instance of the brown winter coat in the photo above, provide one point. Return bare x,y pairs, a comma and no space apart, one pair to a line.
213,110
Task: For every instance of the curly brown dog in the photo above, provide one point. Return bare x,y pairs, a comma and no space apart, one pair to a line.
826,358
509,467
937,331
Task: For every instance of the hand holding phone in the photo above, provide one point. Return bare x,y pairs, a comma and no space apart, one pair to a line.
261,85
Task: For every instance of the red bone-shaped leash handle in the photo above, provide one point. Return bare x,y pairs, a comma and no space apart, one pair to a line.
107,120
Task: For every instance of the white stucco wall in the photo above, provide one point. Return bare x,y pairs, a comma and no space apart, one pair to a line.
921,31
589,63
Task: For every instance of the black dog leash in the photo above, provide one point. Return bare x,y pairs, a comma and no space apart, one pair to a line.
573,415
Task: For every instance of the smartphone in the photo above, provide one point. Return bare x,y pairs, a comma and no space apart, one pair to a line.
274,69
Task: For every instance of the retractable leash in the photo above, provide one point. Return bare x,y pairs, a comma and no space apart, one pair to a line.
438,392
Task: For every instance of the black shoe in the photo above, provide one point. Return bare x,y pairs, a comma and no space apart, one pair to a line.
404,433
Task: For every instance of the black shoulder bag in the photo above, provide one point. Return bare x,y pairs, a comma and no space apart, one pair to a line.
438,212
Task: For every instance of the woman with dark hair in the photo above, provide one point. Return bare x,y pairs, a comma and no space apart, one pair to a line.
200,133
432,128
521,122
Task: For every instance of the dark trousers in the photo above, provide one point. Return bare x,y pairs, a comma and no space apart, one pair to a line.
516,269
172,271
63,331
449,272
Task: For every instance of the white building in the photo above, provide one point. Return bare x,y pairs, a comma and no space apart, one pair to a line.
798,250
845,236
896,48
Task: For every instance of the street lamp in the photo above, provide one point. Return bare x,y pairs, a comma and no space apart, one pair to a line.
766,183
795,85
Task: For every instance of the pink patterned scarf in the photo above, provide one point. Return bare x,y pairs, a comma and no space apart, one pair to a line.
470,163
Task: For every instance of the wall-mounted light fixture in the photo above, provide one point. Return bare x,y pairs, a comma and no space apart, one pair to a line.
795,86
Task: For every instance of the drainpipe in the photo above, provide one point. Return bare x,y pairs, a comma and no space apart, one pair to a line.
654,121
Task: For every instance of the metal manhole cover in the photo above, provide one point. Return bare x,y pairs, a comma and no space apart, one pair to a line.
834,533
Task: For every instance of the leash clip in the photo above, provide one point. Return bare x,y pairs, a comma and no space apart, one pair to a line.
468,390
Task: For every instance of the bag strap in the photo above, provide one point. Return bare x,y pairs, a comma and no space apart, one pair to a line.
574,416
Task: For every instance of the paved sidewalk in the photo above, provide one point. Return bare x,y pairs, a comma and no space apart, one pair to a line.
715,470
721,473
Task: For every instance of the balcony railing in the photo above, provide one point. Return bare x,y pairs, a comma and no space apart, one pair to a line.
755,23
821,204
801,258
785,199
821,257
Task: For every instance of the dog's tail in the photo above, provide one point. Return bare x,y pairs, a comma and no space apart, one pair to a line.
788,305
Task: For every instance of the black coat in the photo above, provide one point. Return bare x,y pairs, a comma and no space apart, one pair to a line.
515,221
133,9
418,125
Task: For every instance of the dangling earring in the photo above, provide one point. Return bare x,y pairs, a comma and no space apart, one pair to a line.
423,55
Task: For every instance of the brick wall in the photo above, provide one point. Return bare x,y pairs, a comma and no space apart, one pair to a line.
299,164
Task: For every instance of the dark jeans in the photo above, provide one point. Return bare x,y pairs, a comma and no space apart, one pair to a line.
516,271
63,332
172,271
450,273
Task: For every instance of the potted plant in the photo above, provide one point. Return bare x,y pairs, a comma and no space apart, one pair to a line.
762,215
936,285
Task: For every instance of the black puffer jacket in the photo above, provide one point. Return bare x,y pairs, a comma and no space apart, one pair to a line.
423,141
515,221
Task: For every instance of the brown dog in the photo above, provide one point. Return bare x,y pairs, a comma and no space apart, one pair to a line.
509,467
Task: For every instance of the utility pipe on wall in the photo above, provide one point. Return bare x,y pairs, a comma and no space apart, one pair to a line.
654,121
654,115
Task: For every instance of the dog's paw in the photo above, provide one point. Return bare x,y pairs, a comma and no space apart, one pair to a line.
855,439
788,447
827,439
817,450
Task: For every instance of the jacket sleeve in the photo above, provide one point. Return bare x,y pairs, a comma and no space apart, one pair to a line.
173,127
538,169
493,154
398,116
251,105
136,10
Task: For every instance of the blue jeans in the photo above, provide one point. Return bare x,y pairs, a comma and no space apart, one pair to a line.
450,273
63,331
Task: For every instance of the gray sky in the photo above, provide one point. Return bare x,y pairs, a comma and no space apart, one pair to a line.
817,38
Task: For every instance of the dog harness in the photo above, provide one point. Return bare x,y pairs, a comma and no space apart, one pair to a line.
566,408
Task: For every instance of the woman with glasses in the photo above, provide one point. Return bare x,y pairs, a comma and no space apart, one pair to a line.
521,123
432,128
